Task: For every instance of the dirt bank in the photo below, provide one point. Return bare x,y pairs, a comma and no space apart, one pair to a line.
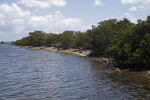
78,52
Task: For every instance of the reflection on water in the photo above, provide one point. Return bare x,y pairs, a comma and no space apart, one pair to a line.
36,74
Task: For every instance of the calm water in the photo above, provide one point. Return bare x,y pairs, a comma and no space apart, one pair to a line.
42,75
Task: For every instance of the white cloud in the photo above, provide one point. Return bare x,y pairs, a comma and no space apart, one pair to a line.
135,1
54,23
97,2
143,7
130,17
17,22
138,4
133,8
139,7
42,3
13,11
13,16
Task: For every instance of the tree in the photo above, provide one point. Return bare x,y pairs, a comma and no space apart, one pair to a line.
2,42
66,39
37,38
52,39
82,40
131,45
102,35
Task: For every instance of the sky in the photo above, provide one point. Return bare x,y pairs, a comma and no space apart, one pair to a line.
19,17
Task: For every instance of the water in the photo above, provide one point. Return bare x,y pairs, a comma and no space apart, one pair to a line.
43,75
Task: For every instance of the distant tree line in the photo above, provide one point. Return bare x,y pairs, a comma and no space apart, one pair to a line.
65,40
2,42
127,43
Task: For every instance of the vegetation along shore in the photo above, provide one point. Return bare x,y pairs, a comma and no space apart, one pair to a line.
128,44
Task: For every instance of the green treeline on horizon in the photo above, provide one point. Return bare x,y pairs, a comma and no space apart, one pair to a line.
127,43
2,42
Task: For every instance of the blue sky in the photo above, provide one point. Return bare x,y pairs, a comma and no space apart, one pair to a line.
19,17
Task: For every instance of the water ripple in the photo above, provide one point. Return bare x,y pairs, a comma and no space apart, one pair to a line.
42,75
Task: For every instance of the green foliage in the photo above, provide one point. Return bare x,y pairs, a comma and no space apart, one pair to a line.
66,39
52,39
82,40
36,38
131,45
102,35
2,42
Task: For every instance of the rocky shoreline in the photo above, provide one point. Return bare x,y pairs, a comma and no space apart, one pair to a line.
78,52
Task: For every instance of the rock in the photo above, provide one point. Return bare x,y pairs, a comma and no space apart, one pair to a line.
117,70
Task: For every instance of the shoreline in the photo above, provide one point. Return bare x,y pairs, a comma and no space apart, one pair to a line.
78,52
82,53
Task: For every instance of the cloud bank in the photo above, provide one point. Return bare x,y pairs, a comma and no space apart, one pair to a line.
137,4
42,3
17,22
135,1
97,2
130,17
